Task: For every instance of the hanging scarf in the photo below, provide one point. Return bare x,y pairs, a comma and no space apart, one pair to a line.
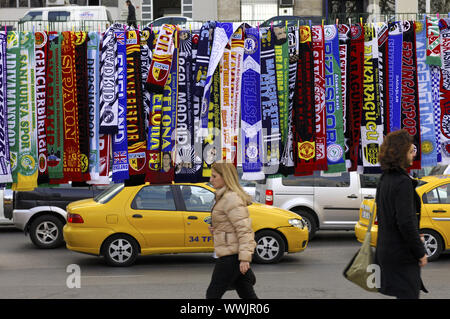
253,83
344,57
304,112
41,107
72,168
435,97
333,102
410,95
395,41
108,83
12,61
427,134
319,97
27,155
120,166
135,112
93,69
104,143
445,91
371,119
382,34
147,37
162,60
434,41
225,103
355,91
202,57
81,42
5,163
55,121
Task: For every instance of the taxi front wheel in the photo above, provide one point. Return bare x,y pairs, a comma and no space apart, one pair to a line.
120,250
270,247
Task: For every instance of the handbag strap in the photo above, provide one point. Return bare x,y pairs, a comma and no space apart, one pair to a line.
372,211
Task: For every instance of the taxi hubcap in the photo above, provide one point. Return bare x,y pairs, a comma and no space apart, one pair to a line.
120,250
430,244
47,232
267,248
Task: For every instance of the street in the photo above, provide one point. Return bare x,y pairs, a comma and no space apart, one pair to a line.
30,273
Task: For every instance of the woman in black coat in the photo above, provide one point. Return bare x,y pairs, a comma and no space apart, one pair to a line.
400,250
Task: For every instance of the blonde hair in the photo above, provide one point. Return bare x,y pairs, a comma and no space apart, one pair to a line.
231,179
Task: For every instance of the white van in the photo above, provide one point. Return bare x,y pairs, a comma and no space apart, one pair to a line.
66,18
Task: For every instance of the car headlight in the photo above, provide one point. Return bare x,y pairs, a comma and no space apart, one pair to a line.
297,223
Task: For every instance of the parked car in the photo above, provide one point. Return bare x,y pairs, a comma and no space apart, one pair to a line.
434,192
122,222
183,22
280,21
41,213
324,201
6,196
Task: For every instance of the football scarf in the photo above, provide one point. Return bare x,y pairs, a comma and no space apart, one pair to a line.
161,60
109,103
55,119
135,113
27,155
225,103
12,61
383,75
319,97
427,134
81,41
270,86
40,81
410,115
445,91
253,84
433,41
5,163
371,117
333,102
355,91
304,110
104,167
120,167
93,70
395,43
202,57
146,37
435,96
344,42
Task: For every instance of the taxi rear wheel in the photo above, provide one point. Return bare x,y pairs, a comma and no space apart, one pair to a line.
120,250
433,244
270,247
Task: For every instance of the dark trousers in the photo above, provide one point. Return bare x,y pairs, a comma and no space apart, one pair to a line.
226,274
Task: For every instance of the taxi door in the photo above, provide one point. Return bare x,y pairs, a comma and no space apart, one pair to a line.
438,207
198,202
153,212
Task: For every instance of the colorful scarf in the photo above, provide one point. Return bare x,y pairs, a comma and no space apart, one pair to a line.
104,143
5,163
355,91
333,102
427,134
137,145
410,96
55,119
382,31
435,97
445,91
147,37
225,103
120,166
434,41
109,104
304,112
162,60
252,86
202,57
371,118
395,74
26,117
319,97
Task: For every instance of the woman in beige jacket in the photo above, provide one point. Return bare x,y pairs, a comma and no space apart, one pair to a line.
233,236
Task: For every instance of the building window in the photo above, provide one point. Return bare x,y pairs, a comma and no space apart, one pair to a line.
258,10
8,3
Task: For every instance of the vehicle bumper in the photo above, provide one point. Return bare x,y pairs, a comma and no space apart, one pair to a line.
21,218
84,239
297,238
361,230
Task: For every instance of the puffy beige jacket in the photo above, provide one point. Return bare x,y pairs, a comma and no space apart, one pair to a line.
233,233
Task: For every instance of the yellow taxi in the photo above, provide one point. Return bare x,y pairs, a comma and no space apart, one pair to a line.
123,222
434,192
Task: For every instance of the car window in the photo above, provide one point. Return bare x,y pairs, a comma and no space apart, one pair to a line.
333,181
160,22
438,195
33,16
369,180
292,180
54,16
154,197
178,21
109,193
197,199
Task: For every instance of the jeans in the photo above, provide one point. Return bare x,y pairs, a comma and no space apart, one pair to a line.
226,274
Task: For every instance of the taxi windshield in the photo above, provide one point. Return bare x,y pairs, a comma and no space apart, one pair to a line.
109,193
